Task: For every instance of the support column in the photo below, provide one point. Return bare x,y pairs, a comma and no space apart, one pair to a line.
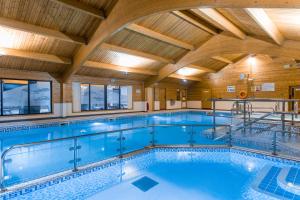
283,118
214,118
66,99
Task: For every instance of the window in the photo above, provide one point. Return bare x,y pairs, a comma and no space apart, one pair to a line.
21,97
85,96
113,97
97,97
15,97
126,97
92,97
40,96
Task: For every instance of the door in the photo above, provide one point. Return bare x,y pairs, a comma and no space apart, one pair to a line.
162,99
205,98
183,98
294,93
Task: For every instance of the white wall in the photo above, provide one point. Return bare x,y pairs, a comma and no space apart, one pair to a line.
176,105
257,106
194,104
150,97
156,105
76,97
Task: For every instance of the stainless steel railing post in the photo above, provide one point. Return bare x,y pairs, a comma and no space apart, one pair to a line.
2,187
75,155
192,137
121,138
152,136
214,119
244,116
274,143
283,118
229,134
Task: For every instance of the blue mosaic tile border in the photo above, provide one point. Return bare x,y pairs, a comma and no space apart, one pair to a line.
73,175
262,155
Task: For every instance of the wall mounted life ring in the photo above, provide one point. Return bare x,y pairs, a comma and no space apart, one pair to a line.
243,94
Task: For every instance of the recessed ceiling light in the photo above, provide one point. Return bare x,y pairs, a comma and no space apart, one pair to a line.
2,53
186,71
252,60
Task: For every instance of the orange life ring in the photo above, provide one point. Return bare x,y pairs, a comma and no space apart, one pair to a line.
243,94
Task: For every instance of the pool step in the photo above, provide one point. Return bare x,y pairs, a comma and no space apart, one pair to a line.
282,183
219,134
289,180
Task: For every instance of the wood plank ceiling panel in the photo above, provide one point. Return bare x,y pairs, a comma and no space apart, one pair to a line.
30,65
241,19
287,21
15,39
132,40
86,71
211,63
125,60
51,15
175,27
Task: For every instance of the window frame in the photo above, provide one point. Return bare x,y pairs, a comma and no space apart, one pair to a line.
119,106
90,95
28,96
105,98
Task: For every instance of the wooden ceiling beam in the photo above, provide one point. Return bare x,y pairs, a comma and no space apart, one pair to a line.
128,11
170,69
215,16
46,32
191,78
264,21
153,34
99,65
82,7
222,59
34,56
116,48
224,44
240,58
196,21
205,69
236,61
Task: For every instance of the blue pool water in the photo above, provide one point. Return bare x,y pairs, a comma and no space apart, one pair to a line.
102,125
173,174
28,163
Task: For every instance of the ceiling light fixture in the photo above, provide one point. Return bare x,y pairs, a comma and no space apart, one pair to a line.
186,71
2,52
252,60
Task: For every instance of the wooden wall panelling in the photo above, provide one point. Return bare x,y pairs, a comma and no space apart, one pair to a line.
266,70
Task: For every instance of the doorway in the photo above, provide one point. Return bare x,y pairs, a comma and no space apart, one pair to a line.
205,95
294,93
162,98
183,98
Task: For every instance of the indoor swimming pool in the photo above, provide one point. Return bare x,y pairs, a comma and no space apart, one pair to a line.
138,132
126,158
193,173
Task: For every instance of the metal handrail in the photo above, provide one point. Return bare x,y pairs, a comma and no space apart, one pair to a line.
75,139
256,99
105,132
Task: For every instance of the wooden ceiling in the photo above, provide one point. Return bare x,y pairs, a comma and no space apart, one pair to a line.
110,38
